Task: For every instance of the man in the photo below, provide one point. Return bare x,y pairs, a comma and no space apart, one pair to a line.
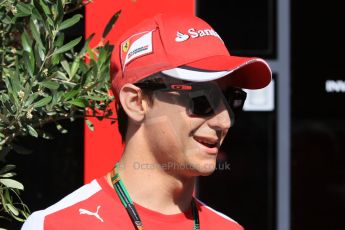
174,82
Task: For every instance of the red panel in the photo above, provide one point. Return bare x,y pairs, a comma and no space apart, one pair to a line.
103,147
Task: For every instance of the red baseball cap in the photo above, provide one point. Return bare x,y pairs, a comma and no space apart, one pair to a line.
183,47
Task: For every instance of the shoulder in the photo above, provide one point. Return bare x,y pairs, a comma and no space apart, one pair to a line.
36,220
214,219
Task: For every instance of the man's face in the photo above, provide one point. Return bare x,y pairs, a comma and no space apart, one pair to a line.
182,142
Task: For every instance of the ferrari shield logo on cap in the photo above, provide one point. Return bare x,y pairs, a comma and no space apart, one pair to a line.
136,46
125,46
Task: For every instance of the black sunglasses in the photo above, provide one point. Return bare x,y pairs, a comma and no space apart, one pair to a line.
204,99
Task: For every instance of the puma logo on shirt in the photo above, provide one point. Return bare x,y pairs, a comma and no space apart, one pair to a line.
87,212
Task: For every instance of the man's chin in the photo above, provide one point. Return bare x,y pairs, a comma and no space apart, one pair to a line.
206,173
205,169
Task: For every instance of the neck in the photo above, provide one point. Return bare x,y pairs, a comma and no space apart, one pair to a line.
153,187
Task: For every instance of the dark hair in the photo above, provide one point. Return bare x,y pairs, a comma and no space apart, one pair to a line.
122,121
122,117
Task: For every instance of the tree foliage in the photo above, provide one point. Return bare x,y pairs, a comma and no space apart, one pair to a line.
44,79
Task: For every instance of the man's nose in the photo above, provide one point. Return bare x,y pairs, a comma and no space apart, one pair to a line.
221,119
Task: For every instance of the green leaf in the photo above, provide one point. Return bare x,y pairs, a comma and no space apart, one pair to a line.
32,61
96,98
50,22
51,113
31,98
60,11
12,183
8,84
94,69
36,14
8,20
42,102
32,131
56,59
7,168
60,39
67,46
70,22
15,82
23,9
47,136
85,68
78,102
75,67
36,51
50,84
61,129
12,209
29,61
35,33
102,57
90,125
90,53
111,23
71,94
26,42
45,7
8,175
9,109
60,75
65,66
14,92
41,53
86,45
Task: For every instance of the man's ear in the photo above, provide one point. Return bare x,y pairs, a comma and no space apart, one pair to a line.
132,102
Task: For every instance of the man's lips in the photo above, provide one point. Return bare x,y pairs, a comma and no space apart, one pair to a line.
209,142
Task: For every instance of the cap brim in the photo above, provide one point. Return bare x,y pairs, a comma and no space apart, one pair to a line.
243,72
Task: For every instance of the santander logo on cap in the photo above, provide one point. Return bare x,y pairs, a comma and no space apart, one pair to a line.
180,37
194,33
